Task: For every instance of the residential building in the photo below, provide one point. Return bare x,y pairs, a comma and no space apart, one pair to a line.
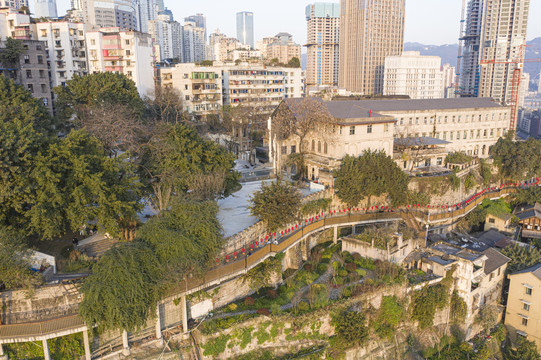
206,89
199,87
262,44
45,9
65,42
421,155
31,71
283,48
369,32
220,45
419,77
123,51
500,222
108,13
14,4
523,311
495,31
323,37
478,274
147,11
193,42
354,130
245,54
529,217
9,19
449,79
245,28
166,36
200,21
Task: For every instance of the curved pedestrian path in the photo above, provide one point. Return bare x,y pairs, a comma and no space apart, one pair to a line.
239,262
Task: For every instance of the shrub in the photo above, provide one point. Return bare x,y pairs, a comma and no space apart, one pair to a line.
232,307
342,273
263,311
356,256
339,281
390,314
365,263
350,267
350,327
346,292
249,301
272,294
322,268
303,306
275,309
361,272
308,267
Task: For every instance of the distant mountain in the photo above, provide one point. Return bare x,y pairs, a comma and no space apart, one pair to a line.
448,52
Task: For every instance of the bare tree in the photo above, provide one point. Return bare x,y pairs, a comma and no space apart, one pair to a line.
115,125
166,105
207,186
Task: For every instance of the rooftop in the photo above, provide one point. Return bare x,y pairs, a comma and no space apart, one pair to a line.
494,260
536,270
419,141
425,104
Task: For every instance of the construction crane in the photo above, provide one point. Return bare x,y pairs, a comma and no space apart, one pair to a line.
515,83
460,46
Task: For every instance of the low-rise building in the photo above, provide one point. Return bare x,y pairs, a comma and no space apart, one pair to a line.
529,218
31,71
523,312
500,222
122,51
420,155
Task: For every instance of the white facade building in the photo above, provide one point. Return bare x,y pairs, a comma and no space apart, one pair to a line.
9,20
419,77
108,13
14,4
193,42
126,52
166,36
45,9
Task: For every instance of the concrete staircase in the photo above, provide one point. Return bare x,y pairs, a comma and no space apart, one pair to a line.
97,248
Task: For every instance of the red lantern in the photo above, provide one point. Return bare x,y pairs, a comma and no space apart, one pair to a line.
251,246
243,251
217,261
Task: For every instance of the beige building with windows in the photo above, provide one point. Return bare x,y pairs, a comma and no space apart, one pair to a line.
282,48
523,313
369,32
323,37
419,77
126,52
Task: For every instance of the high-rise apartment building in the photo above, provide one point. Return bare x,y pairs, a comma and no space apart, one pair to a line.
245,28
419,77
166,36
200,21
369,32
147,10
14,4
45,9
495,31
125,52
194,47
323,37
220,45
108,13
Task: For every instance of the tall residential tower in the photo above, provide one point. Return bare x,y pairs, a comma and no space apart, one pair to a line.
323,36
45,9
495,31
369,31
245,28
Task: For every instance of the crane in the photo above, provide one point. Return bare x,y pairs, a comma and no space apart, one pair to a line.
519,61
460,46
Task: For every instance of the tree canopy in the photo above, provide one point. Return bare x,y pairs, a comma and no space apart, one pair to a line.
122,289
175,155
276,203
12,51
371,174
517,159
14,266
185,238
522,257
83,93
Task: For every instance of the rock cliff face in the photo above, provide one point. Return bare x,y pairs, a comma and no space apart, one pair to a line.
45,303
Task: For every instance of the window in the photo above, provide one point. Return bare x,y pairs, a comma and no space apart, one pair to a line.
187,97
284,150
313,145
325,148
27,59
352,130
386,128
29,74
30,88
92,41
43,88
369,129
128,52
524,321
319,146
293,149
127,42
492,221
526,307
40,59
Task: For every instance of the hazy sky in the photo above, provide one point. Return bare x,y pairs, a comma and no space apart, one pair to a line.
431,22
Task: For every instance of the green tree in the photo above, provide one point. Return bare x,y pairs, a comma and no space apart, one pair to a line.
277,204
426,301
478,216
350,328
525,350
294,62
12,51
75,184
371,174
14,266
470,181
517,160
262,275
458,308
185,238
123,288
522,257
528,196
487,317
390,313
82,93
175,156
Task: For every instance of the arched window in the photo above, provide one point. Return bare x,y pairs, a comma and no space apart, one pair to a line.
313,145
319,146
324,148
